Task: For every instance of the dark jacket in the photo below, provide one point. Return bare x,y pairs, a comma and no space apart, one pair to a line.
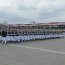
4,33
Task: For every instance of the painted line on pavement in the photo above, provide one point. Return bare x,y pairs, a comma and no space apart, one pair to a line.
52,51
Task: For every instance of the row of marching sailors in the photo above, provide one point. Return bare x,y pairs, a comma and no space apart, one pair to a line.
21,38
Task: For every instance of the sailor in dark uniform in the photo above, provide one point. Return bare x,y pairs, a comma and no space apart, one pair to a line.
4,34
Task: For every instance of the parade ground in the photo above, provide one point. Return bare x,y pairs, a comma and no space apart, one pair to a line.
40,52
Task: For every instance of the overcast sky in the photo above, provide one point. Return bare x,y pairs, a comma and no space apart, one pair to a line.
25,11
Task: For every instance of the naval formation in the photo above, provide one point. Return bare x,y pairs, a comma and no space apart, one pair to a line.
5,38
30,32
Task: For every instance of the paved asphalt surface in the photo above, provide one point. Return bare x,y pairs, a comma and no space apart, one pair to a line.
44,52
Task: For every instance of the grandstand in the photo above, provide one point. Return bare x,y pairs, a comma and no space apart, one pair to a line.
39,28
